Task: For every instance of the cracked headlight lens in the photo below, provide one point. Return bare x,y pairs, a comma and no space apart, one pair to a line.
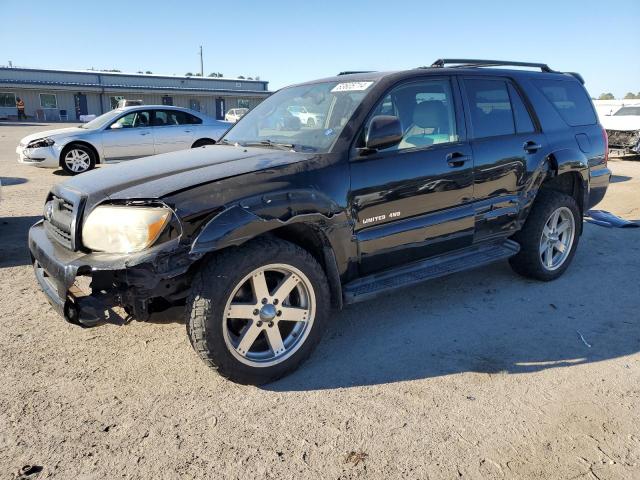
41,142
124,229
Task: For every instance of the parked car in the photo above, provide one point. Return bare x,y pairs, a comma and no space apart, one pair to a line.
121,134
623,130
306,117
235,114
259,236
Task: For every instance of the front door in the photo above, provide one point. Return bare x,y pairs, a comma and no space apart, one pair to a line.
130,136
414,200
504,139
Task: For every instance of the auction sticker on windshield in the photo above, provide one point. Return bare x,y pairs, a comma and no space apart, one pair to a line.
351,87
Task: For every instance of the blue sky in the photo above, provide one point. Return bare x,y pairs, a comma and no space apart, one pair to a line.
291,41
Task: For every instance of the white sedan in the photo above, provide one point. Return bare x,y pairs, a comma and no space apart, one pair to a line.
121,134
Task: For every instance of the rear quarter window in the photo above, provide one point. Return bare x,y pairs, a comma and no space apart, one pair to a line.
570,100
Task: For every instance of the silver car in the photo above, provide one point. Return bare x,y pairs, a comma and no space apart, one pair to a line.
121,134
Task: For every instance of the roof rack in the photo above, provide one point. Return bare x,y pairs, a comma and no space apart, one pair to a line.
465,62
351,72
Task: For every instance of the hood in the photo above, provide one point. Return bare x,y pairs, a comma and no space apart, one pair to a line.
55,134
622,122
161,175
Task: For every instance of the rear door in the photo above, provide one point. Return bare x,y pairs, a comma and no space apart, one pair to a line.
171,131
505,139
414,200
130,136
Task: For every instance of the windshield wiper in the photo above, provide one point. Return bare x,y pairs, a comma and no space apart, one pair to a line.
270,144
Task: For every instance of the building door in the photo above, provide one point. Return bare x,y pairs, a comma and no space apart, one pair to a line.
220,108
166,100
80,102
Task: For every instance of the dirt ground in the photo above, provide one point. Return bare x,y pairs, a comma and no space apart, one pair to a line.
479,375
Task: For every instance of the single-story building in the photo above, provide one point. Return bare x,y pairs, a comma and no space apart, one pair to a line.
52,95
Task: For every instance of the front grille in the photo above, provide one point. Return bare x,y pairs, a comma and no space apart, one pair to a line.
58,220
619,138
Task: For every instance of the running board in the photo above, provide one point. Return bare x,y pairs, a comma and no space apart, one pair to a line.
407,275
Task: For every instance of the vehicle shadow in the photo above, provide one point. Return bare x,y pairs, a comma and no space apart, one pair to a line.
486,321
9,181
619,178
14,232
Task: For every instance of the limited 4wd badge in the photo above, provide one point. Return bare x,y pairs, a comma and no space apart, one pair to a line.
351,87
379,218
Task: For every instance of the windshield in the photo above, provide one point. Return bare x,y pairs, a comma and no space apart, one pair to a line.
102,120
624,111
328,107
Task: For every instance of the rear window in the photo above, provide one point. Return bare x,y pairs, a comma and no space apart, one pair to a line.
570,101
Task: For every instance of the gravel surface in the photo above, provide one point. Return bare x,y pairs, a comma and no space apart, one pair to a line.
479,375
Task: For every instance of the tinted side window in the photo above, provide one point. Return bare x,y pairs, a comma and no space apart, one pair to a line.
524,124
570,100
192,119
490,107
425,110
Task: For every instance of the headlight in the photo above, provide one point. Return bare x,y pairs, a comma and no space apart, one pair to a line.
41,142
116,229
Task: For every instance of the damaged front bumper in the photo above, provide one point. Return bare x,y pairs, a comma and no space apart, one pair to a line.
85,287
623,142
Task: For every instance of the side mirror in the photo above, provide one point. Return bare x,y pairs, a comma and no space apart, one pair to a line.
115,126
384,131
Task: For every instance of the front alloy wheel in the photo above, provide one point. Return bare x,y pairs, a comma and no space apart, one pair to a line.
256,312
77,159
269,315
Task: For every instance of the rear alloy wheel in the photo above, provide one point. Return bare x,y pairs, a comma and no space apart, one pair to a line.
256,312
78,159
549,238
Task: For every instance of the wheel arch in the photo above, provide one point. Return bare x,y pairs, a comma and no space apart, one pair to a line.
83,143
203,139
240,223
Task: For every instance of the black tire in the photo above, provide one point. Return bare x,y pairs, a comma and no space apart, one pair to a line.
81,148
215,282
202,142
528,261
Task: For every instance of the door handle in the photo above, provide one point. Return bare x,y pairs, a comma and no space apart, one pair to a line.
144,133
187,131
531,146
457,159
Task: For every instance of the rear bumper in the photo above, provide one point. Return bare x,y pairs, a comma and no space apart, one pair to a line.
598,184
84,288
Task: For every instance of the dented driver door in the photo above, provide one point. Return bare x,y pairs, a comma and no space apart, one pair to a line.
414,200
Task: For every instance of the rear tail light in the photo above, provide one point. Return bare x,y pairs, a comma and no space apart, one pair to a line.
606,145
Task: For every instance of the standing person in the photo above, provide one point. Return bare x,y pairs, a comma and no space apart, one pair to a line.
20,106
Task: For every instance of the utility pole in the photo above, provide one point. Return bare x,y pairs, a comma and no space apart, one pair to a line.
201,64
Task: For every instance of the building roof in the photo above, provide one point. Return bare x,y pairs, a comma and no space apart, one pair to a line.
118,80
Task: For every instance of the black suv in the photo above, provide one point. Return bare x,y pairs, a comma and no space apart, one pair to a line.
401,177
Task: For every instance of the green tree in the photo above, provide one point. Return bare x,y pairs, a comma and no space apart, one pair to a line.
606,96
148,72
198,75
188,74
630,95
240,77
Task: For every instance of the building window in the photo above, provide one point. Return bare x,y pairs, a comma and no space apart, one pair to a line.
243,103
167,100
8,100
48,100
194,104
114,101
